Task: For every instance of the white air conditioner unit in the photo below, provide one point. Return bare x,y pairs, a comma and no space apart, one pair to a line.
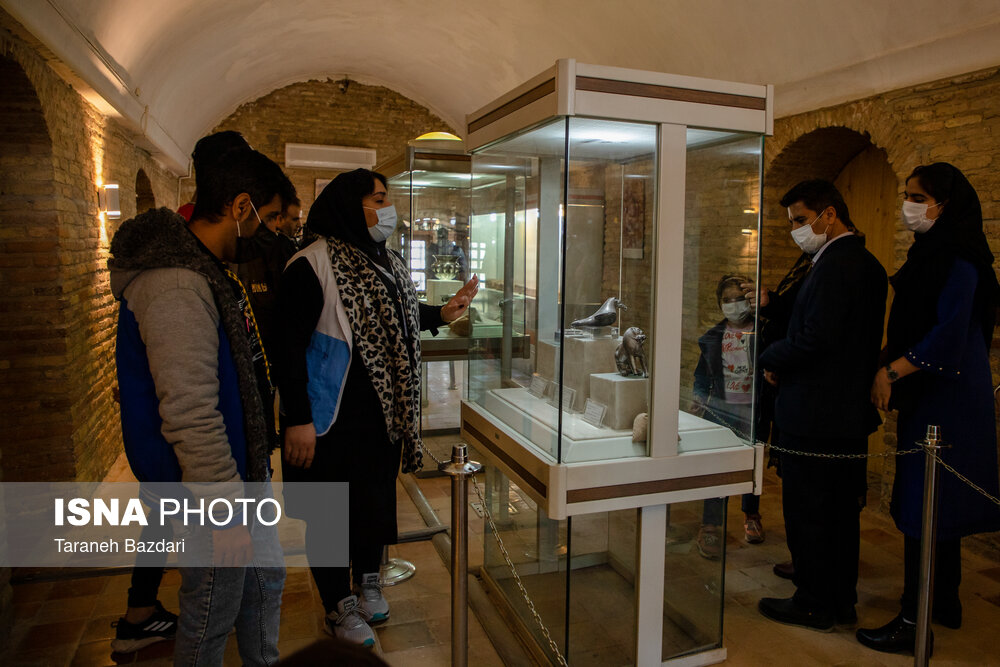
319,156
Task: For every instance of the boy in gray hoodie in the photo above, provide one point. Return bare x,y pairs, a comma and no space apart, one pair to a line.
194,384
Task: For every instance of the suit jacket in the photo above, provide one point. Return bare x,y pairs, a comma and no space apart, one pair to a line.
827,360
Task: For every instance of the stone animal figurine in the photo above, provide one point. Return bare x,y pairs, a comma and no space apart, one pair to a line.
605,316
630,357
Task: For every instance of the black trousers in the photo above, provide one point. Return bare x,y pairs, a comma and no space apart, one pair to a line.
822,499
148,571
947,577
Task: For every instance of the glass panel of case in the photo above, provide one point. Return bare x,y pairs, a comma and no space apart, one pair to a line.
720,257
565,213
593,555
433,238
693,579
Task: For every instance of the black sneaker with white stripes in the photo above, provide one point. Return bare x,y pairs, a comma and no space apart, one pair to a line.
130,637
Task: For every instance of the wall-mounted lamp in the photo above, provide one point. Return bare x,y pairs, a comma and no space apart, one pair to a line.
750,211
108,201
748,232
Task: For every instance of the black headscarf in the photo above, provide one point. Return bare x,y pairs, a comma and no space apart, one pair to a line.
338,213
957,234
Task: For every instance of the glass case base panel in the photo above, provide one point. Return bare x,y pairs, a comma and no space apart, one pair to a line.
538,421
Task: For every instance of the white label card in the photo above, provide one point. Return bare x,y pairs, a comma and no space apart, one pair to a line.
538,386
569,395
593,413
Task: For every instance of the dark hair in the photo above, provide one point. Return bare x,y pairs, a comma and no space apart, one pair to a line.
728,281
236,172
337,211
941,181
818,195
289,197
212,147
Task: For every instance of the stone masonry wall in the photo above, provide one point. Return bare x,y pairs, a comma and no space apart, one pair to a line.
58,371
317,112
955,120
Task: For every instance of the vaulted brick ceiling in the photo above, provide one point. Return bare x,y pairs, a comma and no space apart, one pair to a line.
186,64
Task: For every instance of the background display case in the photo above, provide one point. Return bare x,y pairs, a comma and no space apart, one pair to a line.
609,203
429,185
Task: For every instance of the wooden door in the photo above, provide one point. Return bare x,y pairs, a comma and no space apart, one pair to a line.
870,189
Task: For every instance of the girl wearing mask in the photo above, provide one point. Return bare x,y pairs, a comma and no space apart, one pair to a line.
723,393
350,384
937,371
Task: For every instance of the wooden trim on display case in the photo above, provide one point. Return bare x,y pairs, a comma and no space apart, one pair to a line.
454,157
657,486
596,85
481,440
533,95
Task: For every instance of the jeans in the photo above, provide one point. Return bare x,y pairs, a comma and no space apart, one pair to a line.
213,600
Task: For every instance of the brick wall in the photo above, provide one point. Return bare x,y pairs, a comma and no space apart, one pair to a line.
57,370
955,120
317,112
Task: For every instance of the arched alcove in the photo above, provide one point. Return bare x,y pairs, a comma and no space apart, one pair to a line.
864,176
35,431
29,337
144,198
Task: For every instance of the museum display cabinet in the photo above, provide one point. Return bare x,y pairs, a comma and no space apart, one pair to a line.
429,183
607,205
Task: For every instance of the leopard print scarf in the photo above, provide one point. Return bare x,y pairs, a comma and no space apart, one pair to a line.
379,335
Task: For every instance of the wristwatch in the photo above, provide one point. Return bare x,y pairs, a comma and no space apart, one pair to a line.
893,375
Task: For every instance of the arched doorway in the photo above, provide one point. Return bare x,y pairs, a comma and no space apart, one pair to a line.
35,429
32,425
862,173
144,199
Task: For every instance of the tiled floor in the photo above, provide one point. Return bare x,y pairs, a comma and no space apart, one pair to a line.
69,622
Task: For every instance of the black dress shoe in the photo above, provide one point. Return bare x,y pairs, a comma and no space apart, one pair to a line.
784,570
896,636
785,610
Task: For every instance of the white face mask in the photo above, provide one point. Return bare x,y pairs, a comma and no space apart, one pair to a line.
736,311
808,240
914,216
386,223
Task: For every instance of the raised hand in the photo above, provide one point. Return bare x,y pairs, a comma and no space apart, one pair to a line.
458,305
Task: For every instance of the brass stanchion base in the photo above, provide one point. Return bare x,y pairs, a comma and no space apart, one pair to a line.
395,570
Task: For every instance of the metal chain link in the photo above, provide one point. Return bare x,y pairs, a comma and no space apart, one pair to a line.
427,451
517,578
510,563
819,455
745,436
964,478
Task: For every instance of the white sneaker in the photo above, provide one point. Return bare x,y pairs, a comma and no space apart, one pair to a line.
348,623
372,601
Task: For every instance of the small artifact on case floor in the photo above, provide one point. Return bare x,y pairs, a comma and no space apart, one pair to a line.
461,326
605,316
640,427
630,357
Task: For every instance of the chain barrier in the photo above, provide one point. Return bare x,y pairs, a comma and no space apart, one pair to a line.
723,421
965,479
531,605
510,564
517,579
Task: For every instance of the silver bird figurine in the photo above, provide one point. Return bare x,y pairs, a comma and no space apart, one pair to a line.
605,316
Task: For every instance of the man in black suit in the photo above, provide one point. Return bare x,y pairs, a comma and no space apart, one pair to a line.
823,369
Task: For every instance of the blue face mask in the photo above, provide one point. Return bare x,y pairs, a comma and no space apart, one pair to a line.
386,223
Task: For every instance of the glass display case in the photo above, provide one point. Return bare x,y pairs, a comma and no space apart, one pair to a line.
615,210
429,185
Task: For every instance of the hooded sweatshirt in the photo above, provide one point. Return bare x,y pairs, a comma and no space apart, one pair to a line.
190,397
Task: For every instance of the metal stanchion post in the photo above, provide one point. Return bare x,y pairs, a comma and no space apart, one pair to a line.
460,468
932,445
